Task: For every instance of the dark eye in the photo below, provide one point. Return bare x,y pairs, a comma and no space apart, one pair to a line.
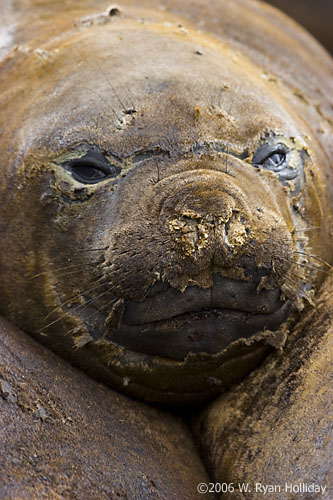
91,168
274,160
282,156
271,157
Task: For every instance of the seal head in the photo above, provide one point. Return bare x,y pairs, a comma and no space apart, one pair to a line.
159,208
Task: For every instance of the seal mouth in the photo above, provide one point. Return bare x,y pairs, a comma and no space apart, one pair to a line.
170,323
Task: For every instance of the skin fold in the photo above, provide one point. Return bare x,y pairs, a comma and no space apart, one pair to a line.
166,188
77,439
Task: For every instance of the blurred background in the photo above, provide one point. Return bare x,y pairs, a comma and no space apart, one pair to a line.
315,15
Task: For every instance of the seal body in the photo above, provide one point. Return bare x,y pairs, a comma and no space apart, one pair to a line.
165,190
270,424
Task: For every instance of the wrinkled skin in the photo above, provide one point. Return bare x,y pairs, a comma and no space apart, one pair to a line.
176,203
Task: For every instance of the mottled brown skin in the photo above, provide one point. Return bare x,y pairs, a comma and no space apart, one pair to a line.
65,436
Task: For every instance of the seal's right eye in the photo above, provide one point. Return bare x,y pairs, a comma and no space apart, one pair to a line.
274,161
91,168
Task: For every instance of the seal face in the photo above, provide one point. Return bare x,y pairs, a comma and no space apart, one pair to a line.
170,210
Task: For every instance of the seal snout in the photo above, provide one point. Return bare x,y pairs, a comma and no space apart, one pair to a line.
211,275
205,219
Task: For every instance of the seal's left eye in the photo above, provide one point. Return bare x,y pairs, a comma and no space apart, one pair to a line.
91,168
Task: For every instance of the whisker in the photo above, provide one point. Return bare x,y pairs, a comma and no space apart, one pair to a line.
300,291
315,257
98,67
72,299
72,310
104,102
293,282
94,314
313,268
82,264
113,89
302,278
129,98
229,112
71,273
219,96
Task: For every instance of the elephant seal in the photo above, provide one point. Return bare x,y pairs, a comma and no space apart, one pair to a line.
165,192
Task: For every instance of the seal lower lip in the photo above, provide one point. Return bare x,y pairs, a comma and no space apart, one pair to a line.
169,323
